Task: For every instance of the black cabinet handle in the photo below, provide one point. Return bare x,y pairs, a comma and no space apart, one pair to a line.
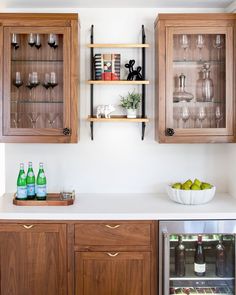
170,132
67,131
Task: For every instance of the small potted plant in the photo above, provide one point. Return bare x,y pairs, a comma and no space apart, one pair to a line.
131,103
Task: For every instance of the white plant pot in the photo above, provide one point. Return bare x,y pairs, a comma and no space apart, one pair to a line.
131,113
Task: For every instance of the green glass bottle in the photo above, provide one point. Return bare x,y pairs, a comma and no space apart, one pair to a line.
30,181
21,184
41,184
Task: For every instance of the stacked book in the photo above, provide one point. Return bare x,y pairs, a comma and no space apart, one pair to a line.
107,66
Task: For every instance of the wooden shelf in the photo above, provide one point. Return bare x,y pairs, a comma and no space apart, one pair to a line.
118,119
111,45
118,82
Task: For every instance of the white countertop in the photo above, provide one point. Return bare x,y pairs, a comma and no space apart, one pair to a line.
122,207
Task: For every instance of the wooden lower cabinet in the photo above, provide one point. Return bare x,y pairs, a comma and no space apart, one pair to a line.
33,259
112,273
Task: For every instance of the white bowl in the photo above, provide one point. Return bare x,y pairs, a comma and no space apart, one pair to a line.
191,197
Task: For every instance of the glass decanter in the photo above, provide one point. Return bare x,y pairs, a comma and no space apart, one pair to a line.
181,94
207,84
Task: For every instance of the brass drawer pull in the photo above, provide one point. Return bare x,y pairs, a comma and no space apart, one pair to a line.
113,255
28,226
112,226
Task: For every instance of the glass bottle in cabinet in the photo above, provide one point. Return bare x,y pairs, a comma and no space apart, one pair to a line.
198,58
40,98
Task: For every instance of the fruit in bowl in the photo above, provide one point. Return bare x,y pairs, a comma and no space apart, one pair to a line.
191,192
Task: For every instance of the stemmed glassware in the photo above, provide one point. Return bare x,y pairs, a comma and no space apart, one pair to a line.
33,81
201,115
16,119
51,118
185,115
200,45
38,41
184,43
18,81
53,40
194,117
33,116
31,39
15,44
218,116
218,44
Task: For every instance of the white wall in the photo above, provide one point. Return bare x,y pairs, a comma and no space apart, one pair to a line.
117,160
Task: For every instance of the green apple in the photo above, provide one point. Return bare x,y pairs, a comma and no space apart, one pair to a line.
185,187
188,182
195,187
197,182
176,185
206,185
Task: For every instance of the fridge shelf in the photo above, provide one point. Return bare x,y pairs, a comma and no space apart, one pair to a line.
210,274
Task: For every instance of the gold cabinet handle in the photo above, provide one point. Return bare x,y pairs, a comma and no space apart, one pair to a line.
28,226
113,254
112,226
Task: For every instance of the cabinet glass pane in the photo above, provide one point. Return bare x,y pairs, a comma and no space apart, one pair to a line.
199,81
219,277
36,80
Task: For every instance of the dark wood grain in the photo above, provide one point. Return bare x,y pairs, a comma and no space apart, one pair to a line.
33,261
112,234
128,273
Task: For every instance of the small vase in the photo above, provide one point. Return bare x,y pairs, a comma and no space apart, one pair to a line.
131,113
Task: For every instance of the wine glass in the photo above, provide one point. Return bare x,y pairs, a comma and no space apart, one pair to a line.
18,81
200,45
185,114
33,116
51,118
16,119
53,83
51,40
201,115
184,43
194,117
38,41
31,39
218,44
218,116
15,41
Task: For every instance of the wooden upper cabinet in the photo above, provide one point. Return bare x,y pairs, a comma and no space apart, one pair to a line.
195,78
39,87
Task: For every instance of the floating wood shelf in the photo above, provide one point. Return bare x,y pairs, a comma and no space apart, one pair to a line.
111,45
118,82
118,119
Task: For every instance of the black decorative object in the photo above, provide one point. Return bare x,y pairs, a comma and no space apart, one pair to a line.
134,74
67,131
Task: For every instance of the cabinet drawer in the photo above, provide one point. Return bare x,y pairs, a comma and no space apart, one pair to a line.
111,233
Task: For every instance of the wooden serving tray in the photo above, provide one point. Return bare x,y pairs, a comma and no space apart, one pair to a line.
53,199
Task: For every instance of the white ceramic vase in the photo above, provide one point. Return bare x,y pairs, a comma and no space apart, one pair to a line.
131,113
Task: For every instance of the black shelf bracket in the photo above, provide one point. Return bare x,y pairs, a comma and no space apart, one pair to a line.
143,86
91,85
143,104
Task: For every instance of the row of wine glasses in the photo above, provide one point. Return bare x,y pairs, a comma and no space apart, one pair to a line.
51,118
184,41
35,40
50,80
200,114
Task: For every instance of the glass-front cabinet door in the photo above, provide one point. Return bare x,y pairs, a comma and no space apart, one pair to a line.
36,98
199,81
198,257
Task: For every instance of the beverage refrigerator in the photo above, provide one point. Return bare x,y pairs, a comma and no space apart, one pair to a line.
181,243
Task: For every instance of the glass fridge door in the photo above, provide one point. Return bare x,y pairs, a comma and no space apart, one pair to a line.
198,262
